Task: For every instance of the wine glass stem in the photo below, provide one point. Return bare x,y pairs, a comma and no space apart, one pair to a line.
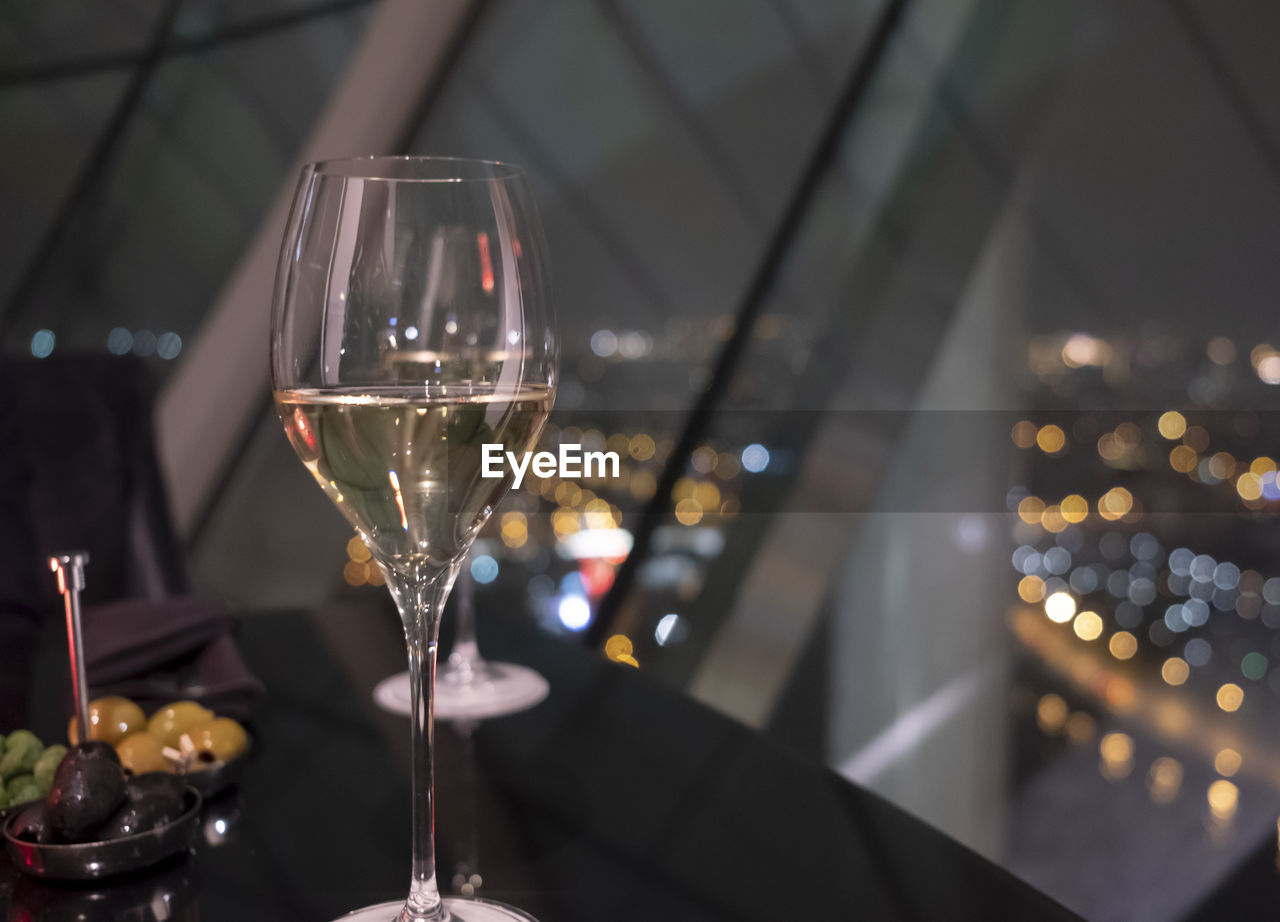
420,599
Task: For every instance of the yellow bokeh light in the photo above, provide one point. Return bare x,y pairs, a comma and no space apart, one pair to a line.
1024,433
568,493
641,447
1128,435
1224,797
683,488
1115,504
1116,747
628,660
1088,626
1262,465
1052,520
1060,607
1031,589
1123,645
1222,465
1172,424
1249,486
1031,510
1227,762
688,511
1230,697
707,495
356,573
1051,439
618,443
1109,447
1074,508
357,550
564,521
618,645
515,529
1175,670
1183,459
1051,713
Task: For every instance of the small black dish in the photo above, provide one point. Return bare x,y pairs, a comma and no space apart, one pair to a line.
96,860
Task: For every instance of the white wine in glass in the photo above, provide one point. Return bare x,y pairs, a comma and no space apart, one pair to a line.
412,326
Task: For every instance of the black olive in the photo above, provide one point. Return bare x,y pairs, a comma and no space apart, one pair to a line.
88,787
151,801
32,825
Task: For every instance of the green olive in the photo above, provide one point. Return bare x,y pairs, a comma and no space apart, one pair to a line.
18,781
141,753
111,719
24,793
171,721
46,765
21,752
220,739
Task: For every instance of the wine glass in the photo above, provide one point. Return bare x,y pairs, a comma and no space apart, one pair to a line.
412,326
468,686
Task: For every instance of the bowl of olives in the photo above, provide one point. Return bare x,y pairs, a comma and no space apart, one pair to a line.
181,738
96,821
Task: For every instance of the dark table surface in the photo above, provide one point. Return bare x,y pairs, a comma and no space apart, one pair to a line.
615,799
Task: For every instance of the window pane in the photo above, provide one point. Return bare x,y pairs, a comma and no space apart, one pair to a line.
149,245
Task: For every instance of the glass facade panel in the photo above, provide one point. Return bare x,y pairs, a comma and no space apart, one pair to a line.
132,259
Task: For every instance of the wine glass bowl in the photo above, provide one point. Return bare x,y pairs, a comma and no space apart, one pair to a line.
411,328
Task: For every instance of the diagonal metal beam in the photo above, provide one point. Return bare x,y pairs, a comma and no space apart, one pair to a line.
762,283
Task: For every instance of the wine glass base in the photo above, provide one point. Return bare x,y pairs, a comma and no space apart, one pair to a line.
460,910
505,689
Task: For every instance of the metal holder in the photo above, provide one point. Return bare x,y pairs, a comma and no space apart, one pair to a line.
69,566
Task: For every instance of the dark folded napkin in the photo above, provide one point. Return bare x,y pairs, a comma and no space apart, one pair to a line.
160,651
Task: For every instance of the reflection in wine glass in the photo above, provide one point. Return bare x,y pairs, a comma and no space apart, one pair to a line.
468,687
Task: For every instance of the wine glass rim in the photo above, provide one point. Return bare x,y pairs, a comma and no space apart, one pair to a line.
412,168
